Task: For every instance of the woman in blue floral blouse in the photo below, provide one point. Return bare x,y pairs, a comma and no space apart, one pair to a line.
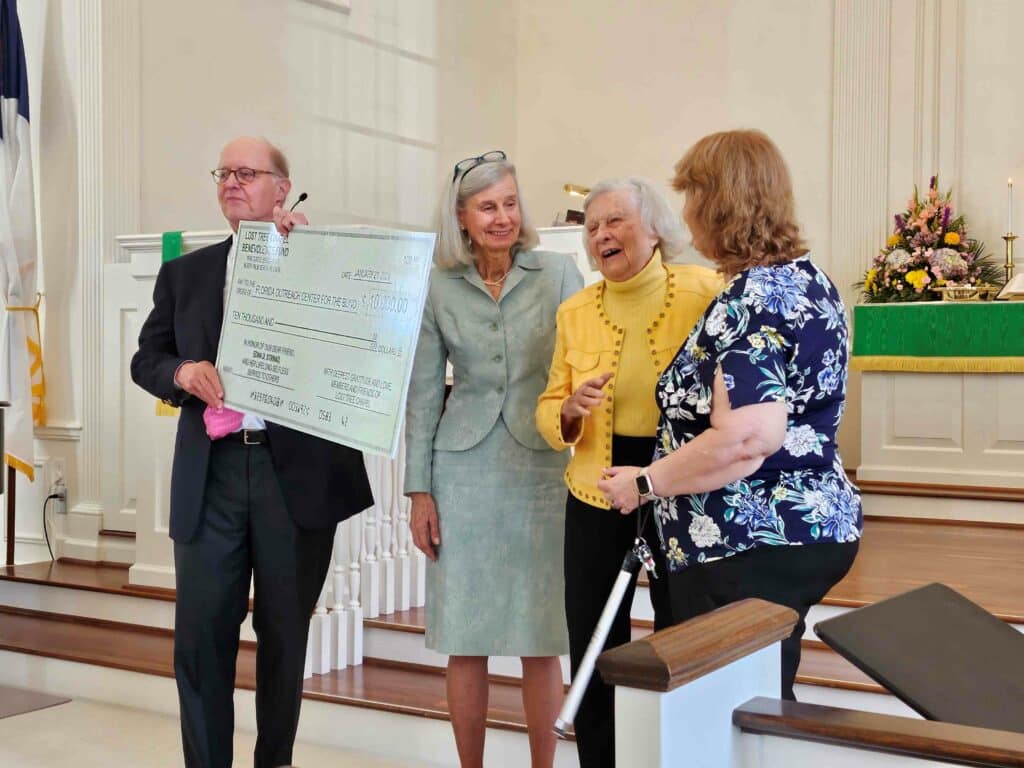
747,483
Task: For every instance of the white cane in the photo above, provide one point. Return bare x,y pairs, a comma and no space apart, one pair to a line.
630,566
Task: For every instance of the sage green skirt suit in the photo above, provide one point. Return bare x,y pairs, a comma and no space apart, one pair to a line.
496,588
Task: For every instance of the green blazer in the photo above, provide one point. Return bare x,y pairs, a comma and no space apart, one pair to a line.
500,353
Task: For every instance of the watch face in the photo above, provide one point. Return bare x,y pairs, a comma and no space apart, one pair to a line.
643,485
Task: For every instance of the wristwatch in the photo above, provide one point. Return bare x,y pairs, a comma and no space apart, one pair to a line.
644,486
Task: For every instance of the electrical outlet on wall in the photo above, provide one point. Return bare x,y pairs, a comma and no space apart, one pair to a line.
57,473
58,487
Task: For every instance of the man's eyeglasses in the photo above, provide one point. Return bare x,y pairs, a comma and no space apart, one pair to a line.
244,175
465,166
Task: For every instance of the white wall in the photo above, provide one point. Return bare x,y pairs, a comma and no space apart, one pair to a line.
369,106
992,117
609,89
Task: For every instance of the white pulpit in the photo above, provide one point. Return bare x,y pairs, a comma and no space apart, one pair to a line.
942,410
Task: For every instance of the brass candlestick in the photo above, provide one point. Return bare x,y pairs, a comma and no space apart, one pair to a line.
1009,237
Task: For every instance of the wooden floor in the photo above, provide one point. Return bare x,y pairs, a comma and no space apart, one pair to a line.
983,563
92,578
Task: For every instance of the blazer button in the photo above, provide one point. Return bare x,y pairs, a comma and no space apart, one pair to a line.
494,326
497,358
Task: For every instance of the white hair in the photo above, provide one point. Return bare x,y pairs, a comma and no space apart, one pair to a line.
655,214
453,247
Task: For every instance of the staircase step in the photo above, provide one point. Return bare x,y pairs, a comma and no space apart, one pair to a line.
388,685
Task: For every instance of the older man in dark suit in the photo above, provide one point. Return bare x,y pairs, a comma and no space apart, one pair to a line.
262,502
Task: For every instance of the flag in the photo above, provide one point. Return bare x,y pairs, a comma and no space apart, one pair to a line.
171,246
21,358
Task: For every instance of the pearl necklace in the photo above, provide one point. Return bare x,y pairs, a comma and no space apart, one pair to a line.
496,283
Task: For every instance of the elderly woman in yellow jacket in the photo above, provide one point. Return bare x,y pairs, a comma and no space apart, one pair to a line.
613,340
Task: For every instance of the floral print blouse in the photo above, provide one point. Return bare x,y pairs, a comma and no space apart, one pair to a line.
779,334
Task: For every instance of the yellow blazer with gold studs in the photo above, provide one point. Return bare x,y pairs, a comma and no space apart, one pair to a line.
589,344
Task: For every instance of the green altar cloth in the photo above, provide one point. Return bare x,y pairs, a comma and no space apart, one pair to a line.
968,337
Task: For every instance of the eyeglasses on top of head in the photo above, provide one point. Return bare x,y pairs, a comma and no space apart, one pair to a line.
465,166
244,175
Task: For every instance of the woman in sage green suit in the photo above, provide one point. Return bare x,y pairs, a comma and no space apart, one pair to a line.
486,489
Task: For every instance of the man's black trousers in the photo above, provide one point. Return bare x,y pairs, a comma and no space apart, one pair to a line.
245,532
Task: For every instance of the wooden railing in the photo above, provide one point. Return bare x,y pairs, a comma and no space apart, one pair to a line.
902,736
676,689
670,658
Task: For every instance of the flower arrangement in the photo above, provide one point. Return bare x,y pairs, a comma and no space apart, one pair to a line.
928,248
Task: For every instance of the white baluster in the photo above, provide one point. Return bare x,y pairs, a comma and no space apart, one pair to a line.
403,562
320,634
355,544
419,579
340,617
371,532
387,558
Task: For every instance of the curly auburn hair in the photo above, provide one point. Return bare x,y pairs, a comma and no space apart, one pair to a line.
742,195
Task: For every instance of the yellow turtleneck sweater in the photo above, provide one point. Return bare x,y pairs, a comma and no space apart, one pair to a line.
632,304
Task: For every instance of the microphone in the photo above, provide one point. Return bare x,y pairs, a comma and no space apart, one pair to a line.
302,197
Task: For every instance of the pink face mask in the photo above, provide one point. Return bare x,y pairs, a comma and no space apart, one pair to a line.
221,421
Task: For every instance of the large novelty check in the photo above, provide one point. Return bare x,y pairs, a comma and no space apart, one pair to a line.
320,329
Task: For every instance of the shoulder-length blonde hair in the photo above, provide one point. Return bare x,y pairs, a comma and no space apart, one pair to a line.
452,248
742,198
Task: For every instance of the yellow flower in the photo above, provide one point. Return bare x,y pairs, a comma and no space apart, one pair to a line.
917,278
951,238
870,278
773,337
894,239
666,442
674,553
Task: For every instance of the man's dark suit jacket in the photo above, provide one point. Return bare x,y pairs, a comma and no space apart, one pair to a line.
322,482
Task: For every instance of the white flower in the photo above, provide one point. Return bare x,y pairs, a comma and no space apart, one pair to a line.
704,401
802,440
704,531
716,320
898,258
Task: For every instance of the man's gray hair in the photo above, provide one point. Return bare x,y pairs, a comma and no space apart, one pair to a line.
655,214
453,248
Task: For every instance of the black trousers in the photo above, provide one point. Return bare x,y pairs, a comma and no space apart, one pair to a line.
246,531
794,576
596,540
